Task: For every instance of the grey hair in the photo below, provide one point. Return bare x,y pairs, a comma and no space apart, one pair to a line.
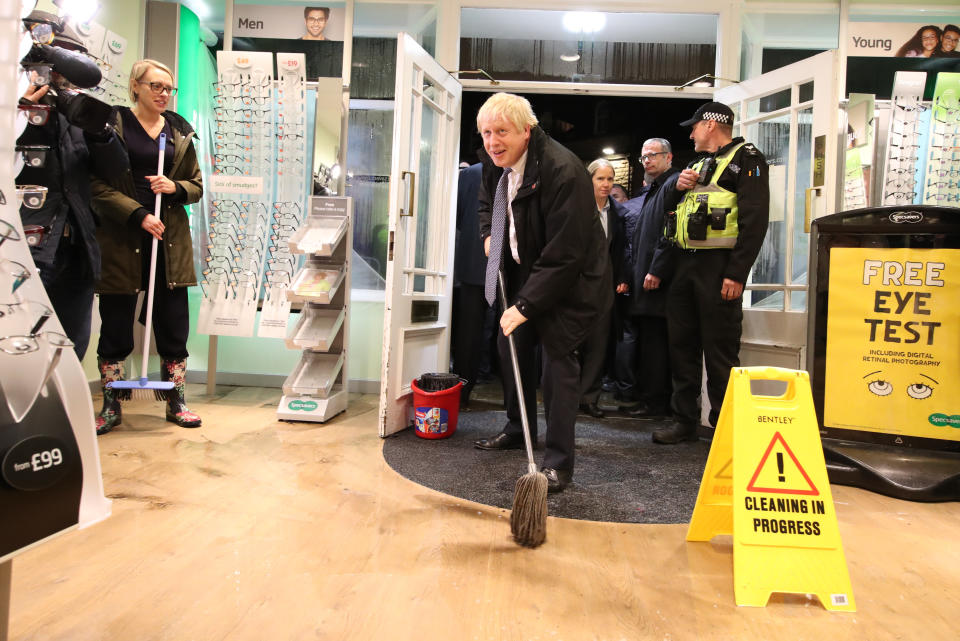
597,164
663,142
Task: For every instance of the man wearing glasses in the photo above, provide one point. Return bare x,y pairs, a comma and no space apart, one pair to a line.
315,19
644,361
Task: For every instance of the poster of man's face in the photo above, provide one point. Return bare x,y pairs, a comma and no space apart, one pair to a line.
315,21
288,22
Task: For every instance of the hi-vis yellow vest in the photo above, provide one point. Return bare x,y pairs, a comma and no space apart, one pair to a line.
721,209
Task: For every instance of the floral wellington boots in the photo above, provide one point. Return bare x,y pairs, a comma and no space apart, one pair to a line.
109,417
177,412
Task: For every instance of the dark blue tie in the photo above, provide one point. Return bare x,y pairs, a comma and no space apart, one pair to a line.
498,228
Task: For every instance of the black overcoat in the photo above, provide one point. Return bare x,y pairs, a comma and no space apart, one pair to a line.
559,236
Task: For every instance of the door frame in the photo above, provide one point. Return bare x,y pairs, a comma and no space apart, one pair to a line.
428,347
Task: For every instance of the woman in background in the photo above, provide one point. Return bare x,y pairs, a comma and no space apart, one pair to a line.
125,235
596,353
923,43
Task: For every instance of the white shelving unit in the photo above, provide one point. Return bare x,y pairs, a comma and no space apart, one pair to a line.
316,390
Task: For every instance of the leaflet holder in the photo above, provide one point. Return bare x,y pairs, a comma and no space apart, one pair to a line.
884,350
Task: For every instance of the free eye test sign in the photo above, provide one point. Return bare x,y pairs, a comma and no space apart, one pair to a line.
893,342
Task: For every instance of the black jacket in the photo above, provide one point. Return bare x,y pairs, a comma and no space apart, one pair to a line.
616,241
469,263
652,253
73,156
747,176
560,242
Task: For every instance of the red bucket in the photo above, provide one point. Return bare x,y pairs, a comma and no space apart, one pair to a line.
435,413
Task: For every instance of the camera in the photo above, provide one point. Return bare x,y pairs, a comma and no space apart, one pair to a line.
697,221
706,170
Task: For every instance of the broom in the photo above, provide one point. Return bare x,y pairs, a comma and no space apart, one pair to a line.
528,518
142,387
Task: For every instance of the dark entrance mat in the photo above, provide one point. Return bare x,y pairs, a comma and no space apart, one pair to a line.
621,475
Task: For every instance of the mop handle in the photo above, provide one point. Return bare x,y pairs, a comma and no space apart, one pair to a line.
531,464
148,326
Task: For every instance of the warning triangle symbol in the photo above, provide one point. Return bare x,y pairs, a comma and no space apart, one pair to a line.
726,472
781,474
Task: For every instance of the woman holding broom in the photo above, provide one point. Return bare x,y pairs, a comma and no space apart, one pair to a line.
127,228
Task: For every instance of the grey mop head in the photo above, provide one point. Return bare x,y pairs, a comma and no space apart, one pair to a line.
528,519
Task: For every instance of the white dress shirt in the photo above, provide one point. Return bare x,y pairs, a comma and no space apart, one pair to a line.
604,214
514,180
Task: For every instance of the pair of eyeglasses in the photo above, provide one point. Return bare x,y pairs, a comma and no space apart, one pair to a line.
39,72
32,196
35,114
14,273
910,105
25,344
946,198
901,196
8,232
647,157
34,155
159,88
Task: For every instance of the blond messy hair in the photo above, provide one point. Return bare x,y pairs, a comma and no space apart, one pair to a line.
510,107
139,69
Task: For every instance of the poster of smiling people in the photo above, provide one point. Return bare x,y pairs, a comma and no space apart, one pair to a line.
904,39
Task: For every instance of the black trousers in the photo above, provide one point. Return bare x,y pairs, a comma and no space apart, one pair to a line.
469,308
171,324
701,325
69,285
653,384
625,358
560,384
594,356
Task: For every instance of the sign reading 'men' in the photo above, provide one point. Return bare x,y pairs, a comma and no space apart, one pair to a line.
893,342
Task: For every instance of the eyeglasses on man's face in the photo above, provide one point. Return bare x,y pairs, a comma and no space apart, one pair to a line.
160,88
646,157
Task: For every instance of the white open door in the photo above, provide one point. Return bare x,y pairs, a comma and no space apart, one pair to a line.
790,114
426,137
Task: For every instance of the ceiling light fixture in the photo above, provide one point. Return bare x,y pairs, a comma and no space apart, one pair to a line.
584,21
608,151
570,57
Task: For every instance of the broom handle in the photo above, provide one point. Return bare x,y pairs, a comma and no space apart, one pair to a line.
148,326
531,464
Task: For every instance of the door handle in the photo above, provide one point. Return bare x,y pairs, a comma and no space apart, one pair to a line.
411,192
807,201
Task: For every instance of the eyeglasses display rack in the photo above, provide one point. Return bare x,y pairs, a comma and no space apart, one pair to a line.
317,388
909,120
241,186
255,192
942,180
50,478
287,209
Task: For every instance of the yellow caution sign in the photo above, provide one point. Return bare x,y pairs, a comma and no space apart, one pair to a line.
785,535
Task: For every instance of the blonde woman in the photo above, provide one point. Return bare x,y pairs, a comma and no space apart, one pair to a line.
127,226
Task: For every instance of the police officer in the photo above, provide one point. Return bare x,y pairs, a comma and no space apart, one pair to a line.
722,208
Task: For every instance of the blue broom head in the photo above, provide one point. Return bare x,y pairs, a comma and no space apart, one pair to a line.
141,383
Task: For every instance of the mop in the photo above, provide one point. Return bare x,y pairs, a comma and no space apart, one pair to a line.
142,387
528,518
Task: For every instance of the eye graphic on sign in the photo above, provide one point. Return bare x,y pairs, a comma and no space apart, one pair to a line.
918,391
880,387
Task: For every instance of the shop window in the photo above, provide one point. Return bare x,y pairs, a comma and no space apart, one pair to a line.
588,47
